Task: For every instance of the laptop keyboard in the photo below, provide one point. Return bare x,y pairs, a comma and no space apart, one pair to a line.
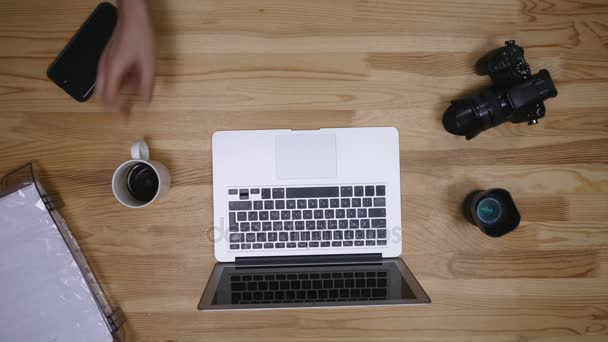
308,287
307,217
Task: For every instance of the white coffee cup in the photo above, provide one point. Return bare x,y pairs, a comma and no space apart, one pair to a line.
139,154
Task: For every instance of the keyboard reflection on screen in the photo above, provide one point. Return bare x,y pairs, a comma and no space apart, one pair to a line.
308,287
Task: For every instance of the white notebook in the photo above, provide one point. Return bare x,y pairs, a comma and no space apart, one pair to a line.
43,293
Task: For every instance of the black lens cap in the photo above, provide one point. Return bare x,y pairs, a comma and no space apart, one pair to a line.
493,211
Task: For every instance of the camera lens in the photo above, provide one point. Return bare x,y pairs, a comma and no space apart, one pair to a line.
489,210
493,211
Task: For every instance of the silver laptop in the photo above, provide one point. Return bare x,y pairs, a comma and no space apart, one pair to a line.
307,219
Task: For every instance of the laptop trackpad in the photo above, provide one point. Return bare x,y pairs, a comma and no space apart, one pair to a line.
306,156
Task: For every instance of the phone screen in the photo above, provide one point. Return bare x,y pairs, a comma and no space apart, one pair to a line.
75,68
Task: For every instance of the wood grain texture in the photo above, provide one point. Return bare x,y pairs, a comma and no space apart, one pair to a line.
318,63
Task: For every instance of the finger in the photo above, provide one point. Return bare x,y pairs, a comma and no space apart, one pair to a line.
117,67
125,107
146,77
130,82
101,72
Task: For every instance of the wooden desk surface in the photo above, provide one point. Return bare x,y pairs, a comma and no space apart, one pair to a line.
307,64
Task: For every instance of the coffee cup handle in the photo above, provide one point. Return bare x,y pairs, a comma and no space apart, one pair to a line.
139,150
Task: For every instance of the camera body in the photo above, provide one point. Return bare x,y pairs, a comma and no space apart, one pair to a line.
517,95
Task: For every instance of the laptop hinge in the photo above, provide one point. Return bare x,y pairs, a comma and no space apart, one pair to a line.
310,259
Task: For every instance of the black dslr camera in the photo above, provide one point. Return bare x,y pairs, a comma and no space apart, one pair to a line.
516,96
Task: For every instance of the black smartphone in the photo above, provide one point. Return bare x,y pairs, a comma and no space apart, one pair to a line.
75,69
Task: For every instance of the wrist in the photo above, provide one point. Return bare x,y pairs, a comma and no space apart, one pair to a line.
132,7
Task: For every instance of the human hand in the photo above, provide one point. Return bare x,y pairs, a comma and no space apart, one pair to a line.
127,64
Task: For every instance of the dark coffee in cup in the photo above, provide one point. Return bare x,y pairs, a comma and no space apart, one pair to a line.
142,182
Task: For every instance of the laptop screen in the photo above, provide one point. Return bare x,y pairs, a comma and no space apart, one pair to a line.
253,287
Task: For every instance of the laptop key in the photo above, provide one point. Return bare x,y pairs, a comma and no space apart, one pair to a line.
343,224
305,236
345,203
356,202
283,236
332,224
349,235
279,245
359,243
313,244
288,225
291,245
323,203
279,204
340,213
381,233
299,225
376,212
258,205
278,193
294,236
265,193
275,215
240,205
307,214
272,237
361,213
381,242
321,225
327,235
325,243
296,214
245,246
347,243
369,190
257,245
338,235
353,224
269,205
329,214
234,246
336,243
301,204
316,192
370,234
364,223
380,190
367,202
334,203
312,203
379,202
310,225
291,204
241,216
370,242
250,237
359,234
237,237
359,191
233,227
252,216
261,237
266,226
285,215
302,244
269,245
346,191
351,213
316,235
379,223
263,215
318,214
